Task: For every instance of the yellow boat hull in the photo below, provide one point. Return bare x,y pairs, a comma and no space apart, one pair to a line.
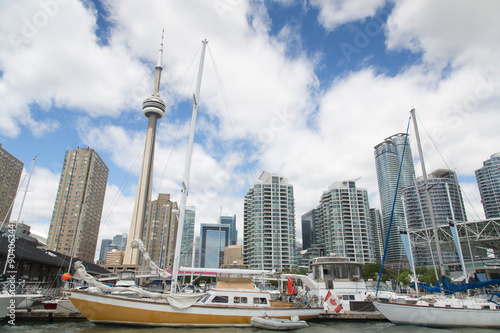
108,309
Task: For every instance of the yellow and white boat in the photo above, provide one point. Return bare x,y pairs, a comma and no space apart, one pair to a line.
233,302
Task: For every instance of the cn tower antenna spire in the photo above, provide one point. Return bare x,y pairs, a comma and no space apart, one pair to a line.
158,68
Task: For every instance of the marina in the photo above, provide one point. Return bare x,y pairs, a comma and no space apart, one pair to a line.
315,326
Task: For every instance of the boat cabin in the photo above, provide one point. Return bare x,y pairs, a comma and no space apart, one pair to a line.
236,298
334,269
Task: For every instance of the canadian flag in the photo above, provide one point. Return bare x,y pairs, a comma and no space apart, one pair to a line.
331,301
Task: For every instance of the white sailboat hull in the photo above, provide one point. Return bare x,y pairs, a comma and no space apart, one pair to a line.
434,316
107,309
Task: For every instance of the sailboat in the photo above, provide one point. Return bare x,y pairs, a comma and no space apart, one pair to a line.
232,303
441,310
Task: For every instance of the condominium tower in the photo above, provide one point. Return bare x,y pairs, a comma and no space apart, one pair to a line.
343,222
488,180
10,175
269,224
160,230
78,207
390,154
447,205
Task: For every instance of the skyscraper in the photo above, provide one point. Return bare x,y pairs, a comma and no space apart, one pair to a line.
269,224
344,225
388,158
105,243
488,180
376,222
231,220
308,229
160,229
153,108
10,175
77,211
447,205
214,238
120,241
186,257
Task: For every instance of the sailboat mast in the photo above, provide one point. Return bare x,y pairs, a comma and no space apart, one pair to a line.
428,195
187,170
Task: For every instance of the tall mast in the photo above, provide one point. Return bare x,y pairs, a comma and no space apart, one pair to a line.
428,195
187,170
153,108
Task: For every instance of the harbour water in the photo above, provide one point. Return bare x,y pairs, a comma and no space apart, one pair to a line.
84,326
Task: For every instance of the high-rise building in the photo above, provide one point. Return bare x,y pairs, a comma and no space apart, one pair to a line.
308,229
77,211
488,180
160,230
153,108
376,223
447,205
344,225
120,241
214,238
231,220
392,153
186,256
10,175
105,243
269,224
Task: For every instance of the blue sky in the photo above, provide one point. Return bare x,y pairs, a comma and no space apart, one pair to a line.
303,89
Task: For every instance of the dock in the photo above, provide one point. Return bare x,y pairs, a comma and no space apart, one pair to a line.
49,315
354,316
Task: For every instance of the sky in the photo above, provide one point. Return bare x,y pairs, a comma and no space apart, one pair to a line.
302,89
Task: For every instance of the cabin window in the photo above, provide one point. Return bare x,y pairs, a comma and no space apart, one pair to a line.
240,300
348,297
220,299
259,300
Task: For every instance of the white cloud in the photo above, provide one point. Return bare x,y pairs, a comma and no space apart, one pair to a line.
334,13
457,32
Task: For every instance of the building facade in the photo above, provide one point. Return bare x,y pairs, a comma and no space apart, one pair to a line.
447,205
10,175
186,257
120,241
76,217
390,154
343,222
230,220
376,223
308,229
105,248
214,239
269,224
160,230
488,181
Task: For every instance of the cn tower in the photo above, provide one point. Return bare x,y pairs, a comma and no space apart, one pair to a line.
153,108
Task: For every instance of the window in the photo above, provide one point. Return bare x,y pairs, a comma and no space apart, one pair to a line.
220,299
259,300
240,300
